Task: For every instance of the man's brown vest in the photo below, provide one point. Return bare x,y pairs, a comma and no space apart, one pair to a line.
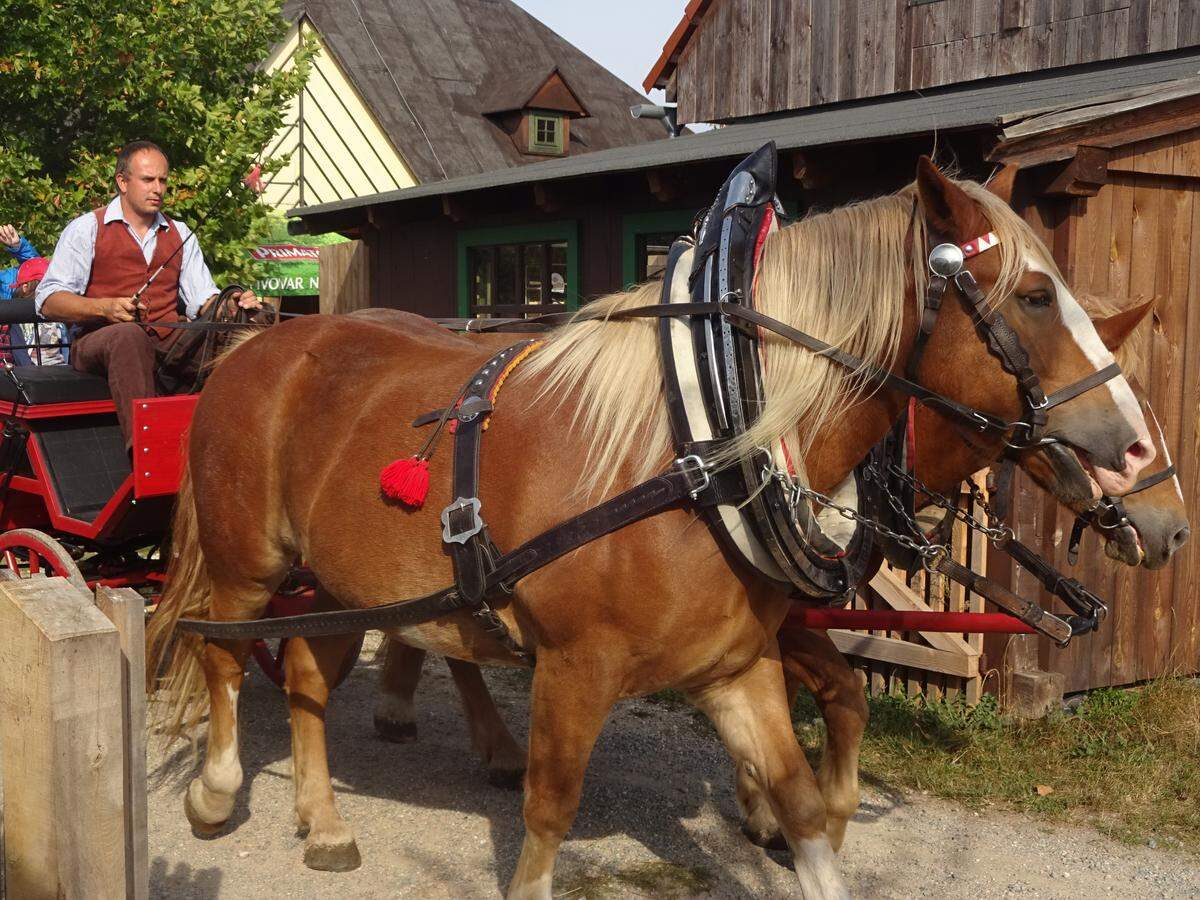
119,269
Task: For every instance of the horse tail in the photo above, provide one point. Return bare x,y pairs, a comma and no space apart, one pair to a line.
182,690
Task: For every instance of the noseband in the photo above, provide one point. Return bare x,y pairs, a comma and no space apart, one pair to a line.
1109,512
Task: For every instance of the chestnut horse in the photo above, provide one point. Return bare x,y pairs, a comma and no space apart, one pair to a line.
1158,527
290,471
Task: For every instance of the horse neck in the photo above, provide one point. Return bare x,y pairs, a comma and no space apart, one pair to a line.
946,454
847,440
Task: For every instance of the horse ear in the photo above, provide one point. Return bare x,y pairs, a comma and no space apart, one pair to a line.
1113,330
948,211
1001,184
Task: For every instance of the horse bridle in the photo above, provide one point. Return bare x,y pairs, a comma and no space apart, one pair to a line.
1108,514
946,263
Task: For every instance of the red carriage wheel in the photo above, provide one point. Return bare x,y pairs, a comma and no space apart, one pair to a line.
29,553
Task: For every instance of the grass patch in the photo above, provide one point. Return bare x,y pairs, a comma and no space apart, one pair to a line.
1127,762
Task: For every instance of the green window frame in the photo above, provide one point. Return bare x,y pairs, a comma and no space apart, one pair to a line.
567,231
635,225
545,133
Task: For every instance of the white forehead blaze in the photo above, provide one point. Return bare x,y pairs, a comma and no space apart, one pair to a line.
1084,333
1162,444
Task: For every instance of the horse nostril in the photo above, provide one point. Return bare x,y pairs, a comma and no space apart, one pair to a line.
1179,538
1140,453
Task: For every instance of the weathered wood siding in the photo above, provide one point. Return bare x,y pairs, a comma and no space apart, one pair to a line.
752,57
1136,239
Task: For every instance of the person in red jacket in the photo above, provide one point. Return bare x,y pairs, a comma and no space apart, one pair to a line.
103,258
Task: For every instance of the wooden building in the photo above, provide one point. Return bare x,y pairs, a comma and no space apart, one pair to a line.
731,59
1109,151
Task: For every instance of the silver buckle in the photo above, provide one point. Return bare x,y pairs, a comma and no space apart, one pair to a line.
476,526
695,470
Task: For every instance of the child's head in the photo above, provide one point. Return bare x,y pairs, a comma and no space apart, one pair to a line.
29,276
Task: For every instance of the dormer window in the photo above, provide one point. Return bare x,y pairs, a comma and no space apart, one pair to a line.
536,111
546,133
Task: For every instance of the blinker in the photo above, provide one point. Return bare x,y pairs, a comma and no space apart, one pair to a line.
946,260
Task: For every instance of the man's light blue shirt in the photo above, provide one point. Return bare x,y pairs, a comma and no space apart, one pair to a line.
71,266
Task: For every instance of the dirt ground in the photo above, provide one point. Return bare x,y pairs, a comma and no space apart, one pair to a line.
658,819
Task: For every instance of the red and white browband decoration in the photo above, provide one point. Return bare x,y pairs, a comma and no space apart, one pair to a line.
977,245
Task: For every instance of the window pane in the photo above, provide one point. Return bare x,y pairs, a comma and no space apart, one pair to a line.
479,267
534,279
558,272
652,250
508,274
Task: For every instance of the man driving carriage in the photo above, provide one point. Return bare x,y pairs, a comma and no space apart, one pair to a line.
120,269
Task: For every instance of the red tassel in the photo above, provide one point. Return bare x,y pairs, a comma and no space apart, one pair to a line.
406,480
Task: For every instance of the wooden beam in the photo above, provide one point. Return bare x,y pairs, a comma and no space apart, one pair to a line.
547,199
454,209
1113,131
664,186
63,753
808,172
896,594
902,653
1083,176
126,609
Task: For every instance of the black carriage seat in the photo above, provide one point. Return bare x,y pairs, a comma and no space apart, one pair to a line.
84,455
52,384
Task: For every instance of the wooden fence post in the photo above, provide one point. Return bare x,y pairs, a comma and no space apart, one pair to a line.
60,723
345,275
126,609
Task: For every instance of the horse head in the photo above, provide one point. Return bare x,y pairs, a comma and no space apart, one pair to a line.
1151,522
1024,340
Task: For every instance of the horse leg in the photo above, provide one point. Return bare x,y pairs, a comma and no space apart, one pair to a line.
812,659
838,689
751,715
394,721
568,709
398,679
209,800
503,756
311,667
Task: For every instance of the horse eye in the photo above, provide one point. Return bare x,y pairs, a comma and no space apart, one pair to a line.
1038,298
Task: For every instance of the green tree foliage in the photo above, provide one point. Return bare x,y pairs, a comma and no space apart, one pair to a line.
79,78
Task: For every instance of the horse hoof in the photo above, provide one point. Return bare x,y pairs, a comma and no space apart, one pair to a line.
396,732
773,840
332,857
200,828
509,779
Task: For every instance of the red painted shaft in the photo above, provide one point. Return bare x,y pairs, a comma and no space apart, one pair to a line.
906,620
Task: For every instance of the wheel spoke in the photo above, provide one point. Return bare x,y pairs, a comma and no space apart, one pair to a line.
10,560
35,563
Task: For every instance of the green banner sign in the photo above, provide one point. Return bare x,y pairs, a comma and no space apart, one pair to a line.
289,266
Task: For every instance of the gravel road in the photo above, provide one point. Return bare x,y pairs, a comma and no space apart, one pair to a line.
658,819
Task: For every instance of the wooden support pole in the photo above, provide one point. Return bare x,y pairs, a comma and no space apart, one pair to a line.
60,723
126,609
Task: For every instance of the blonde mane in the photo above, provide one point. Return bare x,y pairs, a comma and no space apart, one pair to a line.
841,276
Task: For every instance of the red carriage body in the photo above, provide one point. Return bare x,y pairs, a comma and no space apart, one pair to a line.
75,503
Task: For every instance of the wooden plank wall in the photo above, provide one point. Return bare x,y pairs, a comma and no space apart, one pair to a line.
1136,239
751,57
